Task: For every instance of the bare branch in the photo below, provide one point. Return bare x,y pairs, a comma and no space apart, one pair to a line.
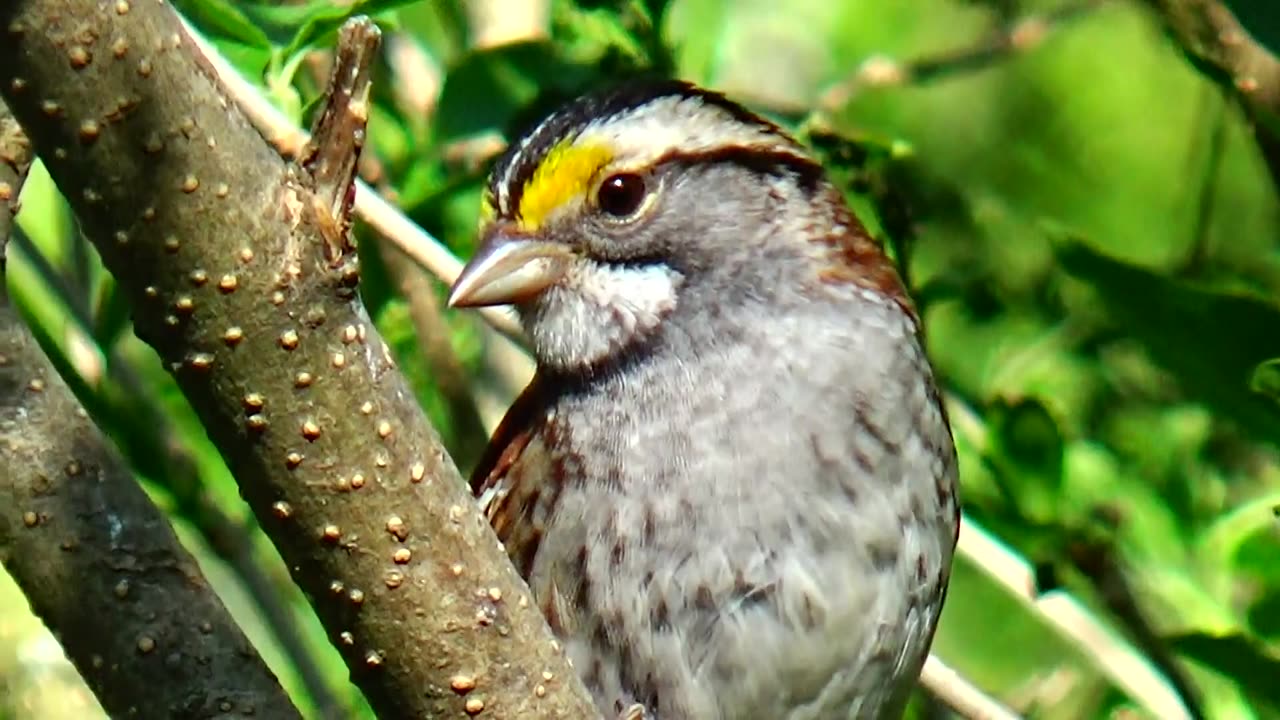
16,156
385,219
242,280
178,473
961,696
433,335
101,566
1015,38
1218,45
97,560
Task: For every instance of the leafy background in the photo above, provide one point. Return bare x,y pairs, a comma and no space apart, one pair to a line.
1086,222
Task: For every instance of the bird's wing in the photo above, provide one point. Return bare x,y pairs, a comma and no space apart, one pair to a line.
513,433
513,474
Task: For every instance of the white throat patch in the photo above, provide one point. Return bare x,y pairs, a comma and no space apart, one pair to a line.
599,310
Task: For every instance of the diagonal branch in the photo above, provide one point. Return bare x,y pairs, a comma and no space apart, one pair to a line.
16,156
1013,38
383,217
242,279
1219,46
96,558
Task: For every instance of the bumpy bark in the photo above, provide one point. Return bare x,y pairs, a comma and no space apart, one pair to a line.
97,559
242,280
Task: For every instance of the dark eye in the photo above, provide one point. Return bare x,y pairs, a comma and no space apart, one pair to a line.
621,195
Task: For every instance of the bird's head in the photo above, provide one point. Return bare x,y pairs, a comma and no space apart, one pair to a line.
626,209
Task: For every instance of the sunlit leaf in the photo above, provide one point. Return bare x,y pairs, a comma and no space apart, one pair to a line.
1266,379
221,18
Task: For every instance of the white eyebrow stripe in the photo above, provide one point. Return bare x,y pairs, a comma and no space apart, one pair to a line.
685,124
642,135
502,196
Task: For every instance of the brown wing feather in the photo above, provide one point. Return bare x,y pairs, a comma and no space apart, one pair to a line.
515,470
855,257
522,420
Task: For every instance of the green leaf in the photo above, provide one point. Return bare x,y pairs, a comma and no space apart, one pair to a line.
1239,657
441,27
1246,537
488,90
696,29
1264,615
219,18
1212,340
112,314
1027,449
1266,379
1028,436
325,19
302,27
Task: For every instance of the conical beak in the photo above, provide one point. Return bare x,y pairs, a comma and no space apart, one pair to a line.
508,269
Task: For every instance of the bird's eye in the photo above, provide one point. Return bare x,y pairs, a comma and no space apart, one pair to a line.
621,195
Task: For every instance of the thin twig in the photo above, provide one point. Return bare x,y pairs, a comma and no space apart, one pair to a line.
1015,38
434,344
961,696
1100,564
507,367
417,87
1208,188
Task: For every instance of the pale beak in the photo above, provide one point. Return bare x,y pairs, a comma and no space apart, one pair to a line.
508,269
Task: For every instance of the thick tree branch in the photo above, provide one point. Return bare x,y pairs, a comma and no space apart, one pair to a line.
375,210
102,567
1219,46
243,281
96,558
433,335
170,463
16,156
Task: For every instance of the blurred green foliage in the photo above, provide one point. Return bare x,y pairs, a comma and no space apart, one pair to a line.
1086,223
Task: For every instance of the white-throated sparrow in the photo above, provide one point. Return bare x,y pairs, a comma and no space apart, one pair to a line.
731,485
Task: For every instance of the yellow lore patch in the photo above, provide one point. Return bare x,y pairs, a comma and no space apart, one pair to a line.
487,210
565,173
